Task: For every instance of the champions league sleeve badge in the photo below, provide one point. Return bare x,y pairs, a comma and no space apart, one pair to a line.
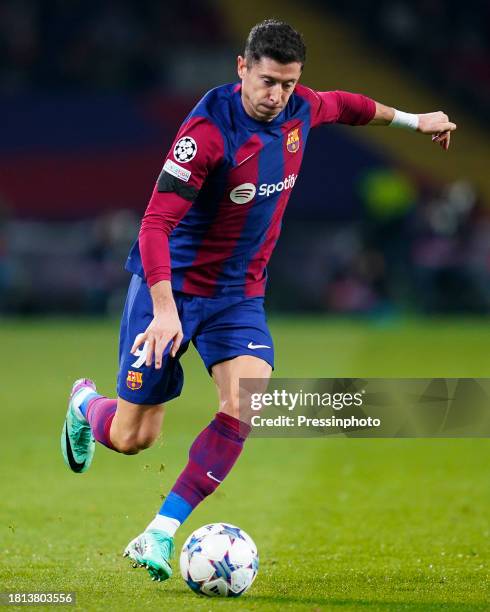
185,149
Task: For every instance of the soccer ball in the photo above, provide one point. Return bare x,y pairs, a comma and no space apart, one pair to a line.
219,560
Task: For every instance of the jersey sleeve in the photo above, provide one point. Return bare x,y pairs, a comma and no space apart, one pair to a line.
197,149
340,107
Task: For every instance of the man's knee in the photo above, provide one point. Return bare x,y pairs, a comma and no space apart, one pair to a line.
230,404
146,439
135,427
126,444
132,444
235,398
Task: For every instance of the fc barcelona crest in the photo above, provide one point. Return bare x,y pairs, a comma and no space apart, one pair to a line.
134,381
292,143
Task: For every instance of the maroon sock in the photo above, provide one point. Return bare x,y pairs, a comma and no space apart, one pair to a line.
211,457
100,412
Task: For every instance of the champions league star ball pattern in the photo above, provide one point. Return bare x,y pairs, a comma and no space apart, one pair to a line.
219,560
185,149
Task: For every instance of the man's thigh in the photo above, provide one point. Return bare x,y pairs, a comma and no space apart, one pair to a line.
237,327
234,343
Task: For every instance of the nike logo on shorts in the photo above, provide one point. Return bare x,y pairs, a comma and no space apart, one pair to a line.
253,346
210,475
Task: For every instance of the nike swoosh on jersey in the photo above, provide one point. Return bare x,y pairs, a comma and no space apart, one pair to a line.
244,160
75,466
253,346
210,475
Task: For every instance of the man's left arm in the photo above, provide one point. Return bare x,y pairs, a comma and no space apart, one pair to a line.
437,123
357,109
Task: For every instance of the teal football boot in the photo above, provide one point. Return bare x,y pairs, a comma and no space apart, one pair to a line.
152,549
77,442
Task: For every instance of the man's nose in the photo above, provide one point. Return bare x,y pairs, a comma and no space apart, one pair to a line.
275,94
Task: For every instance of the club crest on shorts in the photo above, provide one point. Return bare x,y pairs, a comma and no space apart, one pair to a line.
134,380
292,143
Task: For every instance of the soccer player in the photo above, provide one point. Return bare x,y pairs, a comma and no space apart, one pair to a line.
199,268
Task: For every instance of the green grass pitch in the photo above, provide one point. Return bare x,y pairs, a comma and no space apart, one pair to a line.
343,524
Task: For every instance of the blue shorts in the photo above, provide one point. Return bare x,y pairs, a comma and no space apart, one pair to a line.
220,328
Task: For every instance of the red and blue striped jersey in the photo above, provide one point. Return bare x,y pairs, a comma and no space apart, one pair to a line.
216,210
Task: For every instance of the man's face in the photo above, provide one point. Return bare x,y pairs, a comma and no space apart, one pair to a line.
267,86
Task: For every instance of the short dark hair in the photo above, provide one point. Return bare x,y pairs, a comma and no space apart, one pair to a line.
276,40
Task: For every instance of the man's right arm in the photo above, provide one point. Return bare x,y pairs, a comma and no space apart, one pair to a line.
163,213
197,148
164,328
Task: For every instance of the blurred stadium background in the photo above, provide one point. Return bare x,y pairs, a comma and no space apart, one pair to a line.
381,222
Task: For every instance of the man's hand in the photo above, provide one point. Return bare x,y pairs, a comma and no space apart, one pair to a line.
437,123
164,328
439,126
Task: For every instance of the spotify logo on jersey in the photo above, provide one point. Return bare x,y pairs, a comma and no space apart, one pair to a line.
285,185
243,194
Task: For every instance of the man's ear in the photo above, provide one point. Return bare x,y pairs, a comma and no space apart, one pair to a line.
241,66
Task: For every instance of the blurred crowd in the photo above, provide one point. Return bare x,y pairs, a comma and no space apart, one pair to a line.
446,42
109,45
76,267
413,249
